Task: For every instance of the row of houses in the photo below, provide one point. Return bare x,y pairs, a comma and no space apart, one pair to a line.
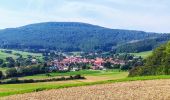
96,64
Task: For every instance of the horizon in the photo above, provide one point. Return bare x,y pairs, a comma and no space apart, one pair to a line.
143,15
86,23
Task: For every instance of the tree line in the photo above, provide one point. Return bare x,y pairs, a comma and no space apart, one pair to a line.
156,64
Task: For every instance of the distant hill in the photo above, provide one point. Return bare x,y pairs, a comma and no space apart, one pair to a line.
69,36
156,64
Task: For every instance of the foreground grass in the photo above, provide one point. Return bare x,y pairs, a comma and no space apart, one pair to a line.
6,90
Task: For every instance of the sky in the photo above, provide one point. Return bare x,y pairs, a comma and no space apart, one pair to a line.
145,15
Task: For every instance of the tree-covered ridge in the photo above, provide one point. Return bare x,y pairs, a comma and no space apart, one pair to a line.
68,36
156,64
143,45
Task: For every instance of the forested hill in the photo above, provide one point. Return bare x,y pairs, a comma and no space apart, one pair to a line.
68,36
143,45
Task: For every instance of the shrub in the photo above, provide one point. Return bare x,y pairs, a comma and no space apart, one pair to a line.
39,89
27,81
78,77
12,72
1,75
12,81
16,81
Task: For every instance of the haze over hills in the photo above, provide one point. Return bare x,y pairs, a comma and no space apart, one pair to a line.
74,36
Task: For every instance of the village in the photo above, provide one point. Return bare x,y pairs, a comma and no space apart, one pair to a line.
78,62
67,62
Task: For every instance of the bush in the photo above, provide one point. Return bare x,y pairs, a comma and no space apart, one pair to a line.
125,67
48,75
12,72
39,89
77,77
27,81
12,81
25,71
1,61
1,75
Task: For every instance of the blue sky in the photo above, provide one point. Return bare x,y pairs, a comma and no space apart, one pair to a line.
147,15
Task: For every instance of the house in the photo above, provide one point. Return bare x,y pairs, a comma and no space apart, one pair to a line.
75,69
34,61
117,62
98,64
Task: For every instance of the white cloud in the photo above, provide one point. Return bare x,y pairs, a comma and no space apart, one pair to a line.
152,15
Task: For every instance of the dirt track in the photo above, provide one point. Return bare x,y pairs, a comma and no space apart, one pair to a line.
138,90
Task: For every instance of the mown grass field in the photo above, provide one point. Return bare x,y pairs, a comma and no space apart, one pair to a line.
91,76
98,77
143,54
81,72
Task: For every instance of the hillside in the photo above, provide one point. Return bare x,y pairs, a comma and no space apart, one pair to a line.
142,54
15,54
69,36
143,45
156,64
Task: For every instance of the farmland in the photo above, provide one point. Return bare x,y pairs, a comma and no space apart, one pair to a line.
93,77
82,72
136,90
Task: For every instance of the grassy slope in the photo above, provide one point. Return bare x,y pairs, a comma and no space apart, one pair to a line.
24,54
143,54
4,55
11,89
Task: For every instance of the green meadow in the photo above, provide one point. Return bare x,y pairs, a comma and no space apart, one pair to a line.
81,72
3,55
143,54
98,77
90,75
